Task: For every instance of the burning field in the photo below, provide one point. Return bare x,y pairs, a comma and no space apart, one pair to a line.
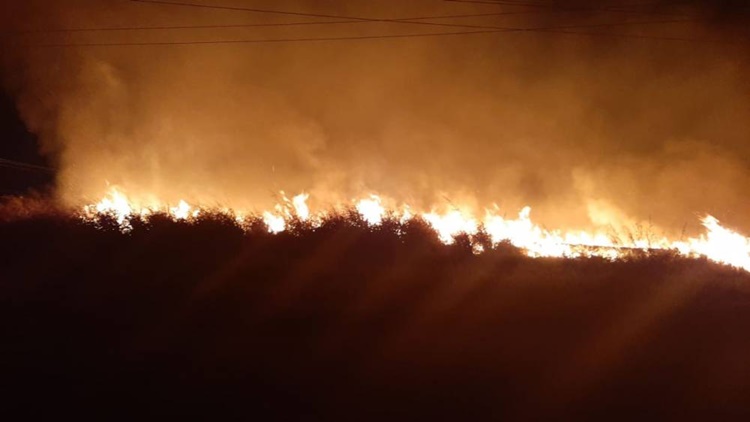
718,244
434,209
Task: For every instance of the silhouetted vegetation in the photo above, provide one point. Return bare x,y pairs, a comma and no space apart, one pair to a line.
351,322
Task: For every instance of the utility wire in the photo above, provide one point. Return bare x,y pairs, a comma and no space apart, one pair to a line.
480,29
250,25
318,15
458,26
262,41
18,165
347,20
400,21
558,7
277,24
568,30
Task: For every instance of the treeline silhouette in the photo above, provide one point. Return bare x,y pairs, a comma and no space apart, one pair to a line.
346,321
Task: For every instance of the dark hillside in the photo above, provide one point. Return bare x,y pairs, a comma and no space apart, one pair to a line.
349,322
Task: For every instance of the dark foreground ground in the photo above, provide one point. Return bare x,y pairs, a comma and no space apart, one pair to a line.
353,323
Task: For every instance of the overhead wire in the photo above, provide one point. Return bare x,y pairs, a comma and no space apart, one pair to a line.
476,29
263,40
18,165
249,25
673,17
313,15
567,30
559,7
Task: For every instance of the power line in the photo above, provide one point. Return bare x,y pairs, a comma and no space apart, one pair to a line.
266,11
479,29
250,25
319,15
557,7
279,24
349,21
18,165
265,41
567,30
400,21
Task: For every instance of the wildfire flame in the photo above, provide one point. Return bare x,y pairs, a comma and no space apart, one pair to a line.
718,244
371,210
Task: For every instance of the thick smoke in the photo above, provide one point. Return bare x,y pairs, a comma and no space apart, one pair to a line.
588,130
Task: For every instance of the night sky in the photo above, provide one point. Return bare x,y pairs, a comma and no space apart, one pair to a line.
20,146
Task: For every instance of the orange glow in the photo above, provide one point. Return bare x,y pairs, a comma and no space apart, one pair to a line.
718,243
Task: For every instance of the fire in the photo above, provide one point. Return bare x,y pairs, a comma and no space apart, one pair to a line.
718,244
371,210
183,211
275,223
451,224
299,203
114,204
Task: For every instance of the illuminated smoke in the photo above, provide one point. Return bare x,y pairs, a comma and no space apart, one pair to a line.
599,133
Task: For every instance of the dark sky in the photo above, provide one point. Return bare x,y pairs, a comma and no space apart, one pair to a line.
643,120
21,147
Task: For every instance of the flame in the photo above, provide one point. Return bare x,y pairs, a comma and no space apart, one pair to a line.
115,204
275,223
300,206
449,225
182,211
371,210
718,244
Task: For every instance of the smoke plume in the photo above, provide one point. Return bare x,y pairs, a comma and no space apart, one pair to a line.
639,123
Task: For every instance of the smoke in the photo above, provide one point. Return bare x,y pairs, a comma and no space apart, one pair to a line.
588,130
